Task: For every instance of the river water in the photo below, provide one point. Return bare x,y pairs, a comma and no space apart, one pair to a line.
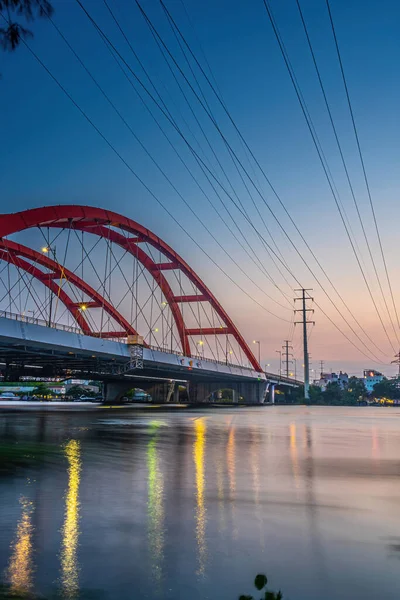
193,504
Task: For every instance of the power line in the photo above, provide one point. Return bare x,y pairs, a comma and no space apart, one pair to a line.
344,163
269,183
168,179
324,167
272,188
153,195
361,157
260,265
161,45
83,113
171,23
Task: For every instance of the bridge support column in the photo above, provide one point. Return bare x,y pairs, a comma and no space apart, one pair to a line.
254,392
162,392
115,390
176,394
201,391
272,393
235,395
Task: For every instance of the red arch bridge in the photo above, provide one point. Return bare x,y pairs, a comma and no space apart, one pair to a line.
86,292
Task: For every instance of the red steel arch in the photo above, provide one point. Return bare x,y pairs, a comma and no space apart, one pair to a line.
99,221
12,252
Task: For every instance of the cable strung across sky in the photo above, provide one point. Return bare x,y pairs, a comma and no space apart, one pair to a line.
257,189
227,193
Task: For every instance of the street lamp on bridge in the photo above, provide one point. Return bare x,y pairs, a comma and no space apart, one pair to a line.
47,250
259,349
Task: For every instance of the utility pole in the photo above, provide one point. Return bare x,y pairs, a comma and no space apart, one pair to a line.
321,362
304,310
397,361
287,354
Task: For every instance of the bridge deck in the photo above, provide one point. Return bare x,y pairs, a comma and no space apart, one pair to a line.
44,349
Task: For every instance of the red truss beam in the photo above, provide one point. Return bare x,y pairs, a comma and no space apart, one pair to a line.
100,221
12,252
208,331
47,276
168,266
192,298
112,334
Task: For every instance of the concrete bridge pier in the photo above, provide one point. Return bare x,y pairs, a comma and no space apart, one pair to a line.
114,391
252,392
161,392
272,393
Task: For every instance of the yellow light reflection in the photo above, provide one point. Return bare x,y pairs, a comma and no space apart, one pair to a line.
255,469
155,506
294,454
221,499
375,443
231,462
20,571
70,531
198,455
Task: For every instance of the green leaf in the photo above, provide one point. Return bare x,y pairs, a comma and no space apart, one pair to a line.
279,595
244,597
270,596
260,581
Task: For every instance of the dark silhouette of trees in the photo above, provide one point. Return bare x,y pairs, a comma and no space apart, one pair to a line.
387,388
12,31
355,391
260,583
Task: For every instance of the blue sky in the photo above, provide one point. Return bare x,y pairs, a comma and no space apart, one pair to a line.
51,155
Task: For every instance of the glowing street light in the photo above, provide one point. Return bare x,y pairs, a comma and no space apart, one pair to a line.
259,349
200,344
46,250
83,307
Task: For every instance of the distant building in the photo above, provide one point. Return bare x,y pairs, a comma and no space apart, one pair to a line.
341,378
371,378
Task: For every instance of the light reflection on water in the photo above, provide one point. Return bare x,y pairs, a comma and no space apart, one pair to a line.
198,455
70,531
231,465
155,505
20,571
294,455
309,496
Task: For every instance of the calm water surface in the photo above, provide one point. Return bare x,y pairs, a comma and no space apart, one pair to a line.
191,504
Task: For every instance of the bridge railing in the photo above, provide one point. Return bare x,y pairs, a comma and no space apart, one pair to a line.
35,321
